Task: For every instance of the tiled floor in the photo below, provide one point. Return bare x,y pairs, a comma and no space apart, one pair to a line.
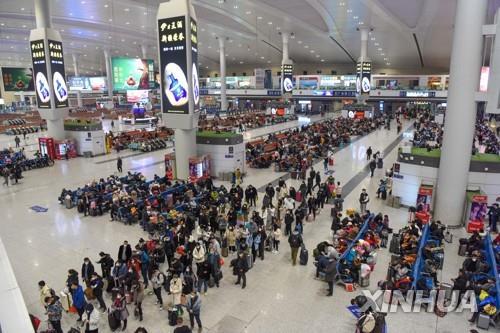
279,297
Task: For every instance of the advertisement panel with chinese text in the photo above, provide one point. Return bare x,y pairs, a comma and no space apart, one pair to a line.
132,73
37,48
17,79
56,58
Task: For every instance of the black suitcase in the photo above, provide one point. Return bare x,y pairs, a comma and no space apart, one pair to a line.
394,245
462,250
304,256
113,321
111,285
172,316
380,163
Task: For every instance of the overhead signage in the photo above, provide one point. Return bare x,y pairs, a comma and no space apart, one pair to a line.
77,83
132,73
98,83
43,94
173,64
273,93
363,77
56,58
417,94
287,70
334,93
17,79
194,60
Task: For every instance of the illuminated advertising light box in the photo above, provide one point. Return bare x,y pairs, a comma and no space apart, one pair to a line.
56,58
132,73
173,65
287,78
483,81
363,77
194,60
78,83
17,79
98,83
43,94
308,82
136,96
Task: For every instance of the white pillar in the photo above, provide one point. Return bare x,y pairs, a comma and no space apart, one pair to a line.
144,51
284,37
461,112
108,73
222,53
42,14
185,147
55,128
363,56
75,69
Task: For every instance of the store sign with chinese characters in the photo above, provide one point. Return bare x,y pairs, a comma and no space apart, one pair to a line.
59,87
38,57
173,64
287,78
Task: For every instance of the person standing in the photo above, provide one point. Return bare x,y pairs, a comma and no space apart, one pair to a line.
119,164
330,274
45,292
176,290
493,214
124,252
54,312
373,166
338,191
96,284
120,308
363,201
241,269
158,279
87,271
91,319
369,153
203,274
106,263
276,238
193,307
78,299
17,141
295,241
138,297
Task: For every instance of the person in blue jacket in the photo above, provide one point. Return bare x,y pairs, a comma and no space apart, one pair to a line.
144,257
78,299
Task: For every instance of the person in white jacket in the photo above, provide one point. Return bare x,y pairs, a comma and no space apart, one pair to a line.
90,319
199,254
176,290
276,238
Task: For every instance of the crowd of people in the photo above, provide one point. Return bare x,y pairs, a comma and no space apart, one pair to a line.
242,122
296,149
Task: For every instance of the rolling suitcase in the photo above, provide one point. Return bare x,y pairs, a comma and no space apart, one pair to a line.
224,251
483,321
249,261
304,256
448,290
394,245
440,260
68,203
113,321
65,300
380,163
462,250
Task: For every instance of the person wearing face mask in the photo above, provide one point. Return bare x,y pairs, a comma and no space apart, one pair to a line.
87,270
176,290
120,308
138,297
54,312
214,262
241,268
96,284
118,274
158,280
199,255
470,265
78,299
124,252
90,319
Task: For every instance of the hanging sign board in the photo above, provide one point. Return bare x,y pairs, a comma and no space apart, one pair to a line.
43,94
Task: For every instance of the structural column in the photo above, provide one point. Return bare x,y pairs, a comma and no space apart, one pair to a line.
108,73
364,31
222,53
144,51
42,14
460,115
286,58
75,69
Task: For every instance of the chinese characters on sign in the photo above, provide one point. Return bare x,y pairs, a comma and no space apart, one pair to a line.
56,56
364,76
287,78
37,48
173,63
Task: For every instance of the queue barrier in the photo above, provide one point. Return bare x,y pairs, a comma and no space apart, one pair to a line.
419,262
491,259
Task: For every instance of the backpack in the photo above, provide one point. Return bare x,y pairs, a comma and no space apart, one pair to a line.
366,323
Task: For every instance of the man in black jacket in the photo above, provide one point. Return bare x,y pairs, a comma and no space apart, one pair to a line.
87,270
96,284
106,263
295,241
270,192
124,252
241,269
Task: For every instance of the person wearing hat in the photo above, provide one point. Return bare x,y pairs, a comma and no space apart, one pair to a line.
90,319
54,312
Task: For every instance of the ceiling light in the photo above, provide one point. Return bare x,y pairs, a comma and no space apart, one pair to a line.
262,58
22,8
388,63
349,10
2,24
8,37
123,40
241,62
317,55
135,42
259,17
376,44
269,61
361,22
235,7
82,2
142,26
373,38
312,51
24,25
84,55
110,20
382,54
206,67
299,42
248,12
106,6
126,9
270,23
306,46
385,59
355,17
70,14
322,60
145,13
109,37
380,49
127,23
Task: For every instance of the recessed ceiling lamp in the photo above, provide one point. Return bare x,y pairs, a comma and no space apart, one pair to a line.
349,11
382,54
270,23
373,38
341,3
262,58
24,25
127,23
380,49
306,46
221,1
385,59
312,51
317,56
376,44
2,24
355,17
259,17
123,40
106,6
248,12
235,6
269,61
145,13
126,9
22,8
388,63
241,62
110,20
322,60
361,22
83,2
299,42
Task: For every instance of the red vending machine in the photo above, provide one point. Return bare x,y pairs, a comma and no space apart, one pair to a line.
46,147
199,168
62,147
